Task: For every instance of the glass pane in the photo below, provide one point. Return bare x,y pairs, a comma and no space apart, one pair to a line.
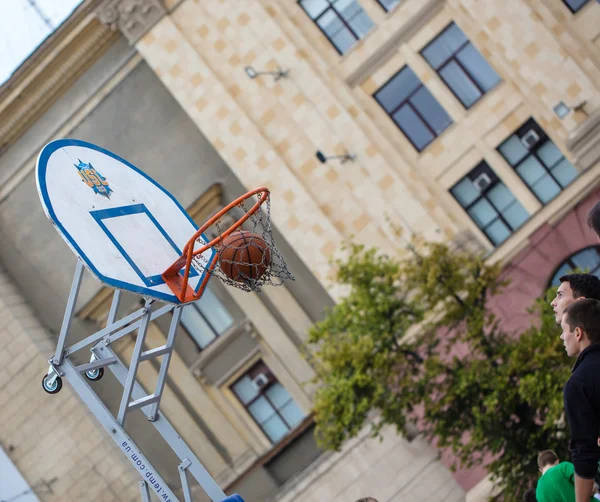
336,31
431,110
482,213
413,127
549,154
261,409
546,189
477,67
442,48
397,89
575,5
531,170
513,150
314,8
564,269
245,389
278,395
587,260
388,5
275,428
515,215
355,16
461,85
500,196
465,192
361,23
564,172
196,326
498,232
214,311
292,414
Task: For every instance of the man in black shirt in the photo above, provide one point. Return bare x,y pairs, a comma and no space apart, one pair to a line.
581,337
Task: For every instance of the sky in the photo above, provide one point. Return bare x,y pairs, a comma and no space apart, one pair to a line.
22,29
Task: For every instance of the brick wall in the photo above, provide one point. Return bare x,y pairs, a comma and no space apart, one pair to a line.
51,436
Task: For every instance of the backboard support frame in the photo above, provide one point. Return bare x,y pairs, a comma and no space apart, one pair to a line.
134,396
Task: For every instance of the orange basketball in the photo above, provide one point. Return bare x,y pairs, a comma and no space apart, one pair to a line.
244,256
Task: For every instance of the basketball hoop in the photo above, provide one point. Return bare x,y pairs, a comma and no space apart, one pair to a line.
255,209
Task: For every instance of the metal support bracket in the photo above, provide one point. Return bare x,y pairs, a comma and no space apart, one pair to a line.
134,397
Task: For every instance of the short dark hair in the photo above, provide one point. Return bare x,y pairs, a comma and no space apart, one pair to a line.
594,218
586,285
585,314
367,499
547,457
529,496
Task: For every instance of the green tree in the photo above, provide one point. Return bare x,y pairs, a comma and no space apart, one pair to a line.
413,341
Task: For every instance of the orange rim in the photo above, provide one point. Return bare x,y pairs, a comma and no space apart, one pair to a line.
189,253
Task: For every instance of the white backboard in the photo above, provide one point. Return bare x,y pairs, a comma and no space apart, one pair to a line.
122,224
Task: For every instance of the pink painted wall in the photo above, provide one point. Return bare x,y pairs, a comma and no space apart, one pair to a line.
529,273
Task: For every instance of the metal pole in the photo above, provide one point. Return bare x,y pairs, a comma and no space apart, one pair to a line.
139,461
164,364
133,365
69,311
166,430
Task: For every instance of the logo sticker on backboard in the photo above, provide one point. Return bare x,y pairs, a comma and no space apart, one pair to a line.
93,179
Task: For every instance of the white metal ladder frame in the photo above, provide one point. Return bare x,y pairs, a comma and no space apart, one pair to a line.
104,357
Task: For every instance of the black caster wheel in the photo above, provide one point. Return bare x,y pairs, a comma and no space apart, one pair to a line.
54,388
94,375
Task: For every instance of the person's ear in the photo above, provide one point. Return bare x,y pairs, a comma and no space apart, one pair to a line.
578,334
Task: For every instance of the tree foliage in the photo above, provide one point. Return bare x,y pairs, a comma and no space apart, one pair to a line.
413,341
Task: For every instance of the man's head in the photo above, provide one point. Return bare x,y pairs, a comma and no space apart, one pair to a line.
594,219
581,326
367,499
574,287
547,459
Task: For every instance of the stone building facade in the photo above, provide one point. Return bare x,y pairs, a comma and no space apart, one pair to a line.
470,120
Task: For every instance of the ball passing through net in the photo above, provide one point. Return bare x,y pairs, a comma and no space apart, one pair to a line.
247,257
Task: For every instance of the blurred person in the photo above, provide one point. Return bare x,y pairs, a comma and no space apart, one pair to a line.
557,483
581,337
594,219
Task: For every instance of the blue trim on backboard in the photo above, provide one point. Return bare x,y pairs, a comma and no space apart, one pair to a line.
42,164
115,212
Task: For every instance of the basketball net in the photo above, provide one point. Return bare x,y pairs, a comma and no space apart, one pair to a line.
251,213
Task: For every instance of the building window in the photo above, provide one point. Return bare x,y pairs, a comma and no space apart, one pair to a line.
206,319
586,260
267,401
343,22
413,108
388,5
575,5
460,65
538,161
489,203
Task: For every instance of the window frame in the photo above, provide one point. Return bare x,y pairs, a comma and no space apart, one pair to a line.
543,139
406,100
566,3
569,258
453,58
385,8
238,317
481,168
331,4
255,369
